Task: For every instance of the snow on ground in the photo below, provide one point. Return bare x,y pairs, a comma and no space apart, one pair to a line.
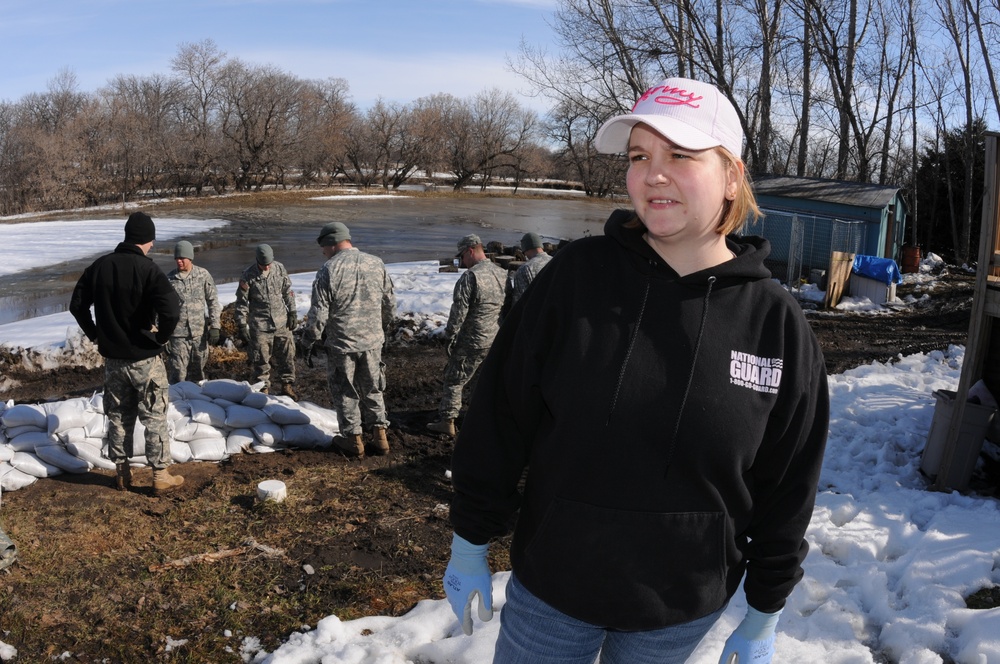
889,565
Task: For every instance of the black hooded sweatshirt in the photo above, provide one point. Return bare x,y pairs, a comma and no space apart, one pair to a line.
672,429
131,296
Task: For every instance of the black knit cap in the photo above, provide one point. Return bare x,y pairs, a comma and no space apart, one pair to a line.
139,229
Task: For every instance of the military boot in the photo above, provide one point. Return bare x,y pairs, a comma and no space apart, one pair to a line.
123,476
443,426
289,391
352,445
163,481
379,441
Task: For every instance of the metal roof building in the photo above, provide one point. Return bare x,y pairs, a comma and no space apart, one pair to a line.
808,218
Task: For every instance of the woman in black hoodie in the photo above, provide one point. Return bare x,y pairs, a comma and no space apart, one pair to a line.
669,402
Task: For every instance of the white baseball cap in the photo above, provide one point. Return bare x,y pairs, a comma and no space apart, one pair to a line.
691,114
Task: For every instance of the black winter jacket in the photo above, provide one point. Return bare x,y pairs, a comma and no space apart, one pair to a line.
130,295
673,430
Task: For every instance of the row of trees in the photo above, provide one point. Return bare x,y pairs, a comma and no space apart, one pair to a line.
865,90
895,92
218,124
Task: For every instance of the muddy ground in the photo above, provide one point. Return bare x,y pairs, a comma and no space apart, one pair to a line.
354,537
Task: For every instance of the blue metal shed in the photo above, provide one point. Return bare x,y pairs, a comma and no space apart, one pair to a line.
808,218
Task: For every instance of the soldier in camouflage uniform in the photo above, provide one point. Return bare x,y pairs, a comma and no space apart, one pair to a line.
265,318
472,324
187,350
531,245
353,300
135,312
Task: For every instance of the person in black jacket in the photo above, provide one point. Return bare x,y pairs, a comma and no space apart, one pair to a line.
669,402
135,310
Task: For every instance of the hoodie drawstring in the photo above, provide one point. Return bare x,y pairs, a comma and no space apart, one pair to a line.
687,388
631,344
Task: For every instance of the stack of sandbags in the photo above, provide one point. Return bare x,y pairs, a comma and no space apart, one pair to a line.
205,422
24,426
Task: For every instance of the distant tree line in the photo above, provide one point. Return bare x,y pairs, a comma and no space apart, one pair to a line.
895,92
216,124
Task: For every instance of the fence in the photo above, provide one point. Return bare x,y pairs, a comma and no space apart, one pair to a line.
802,242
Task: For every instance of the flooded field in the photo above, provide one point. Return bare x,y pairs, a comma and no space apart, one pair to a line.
395,228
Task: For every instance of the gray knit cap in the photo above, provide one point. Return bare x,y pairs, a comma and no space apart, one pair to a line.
332,233
265,254
184,249
531,241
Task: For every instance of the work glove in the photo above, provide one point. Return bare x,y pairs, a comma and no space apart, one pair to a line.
245,333
305,351
468,575
292,320
213,336
753,640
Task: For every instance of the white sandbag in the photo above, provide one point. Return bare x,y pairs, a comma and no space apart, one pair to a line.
245,417
180,451
91,454
28,462
207,412
28,441
186,390
3,436
97,402
178,409
268,433
14,432
138,461
304,435
189,430
24,414
223,403
12,479
99,443
256,400
324,418
97,427
281,413
68,436
258,448
69,414
239,440
6,452
139,440
225,388
58,456
208,449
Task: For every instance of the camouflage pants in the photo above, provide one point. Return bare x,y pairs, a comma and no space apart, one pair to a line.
186,357
462,364
356,382
137,390
267,348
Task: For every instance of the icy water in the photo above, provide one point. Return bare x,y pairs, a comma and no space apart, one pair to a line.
396,229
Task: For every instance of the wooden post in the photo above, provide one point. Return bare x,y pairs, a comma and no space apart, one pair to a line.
980,322
841,264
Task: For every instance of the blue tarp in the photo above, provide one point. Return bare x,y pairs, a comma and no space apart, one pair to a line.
884,270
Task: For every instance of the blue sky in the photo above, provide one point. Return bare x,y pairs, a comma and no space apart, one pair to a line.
395,49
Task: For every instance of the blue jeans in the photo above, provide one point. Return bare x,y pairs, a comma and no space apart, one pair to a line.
532,632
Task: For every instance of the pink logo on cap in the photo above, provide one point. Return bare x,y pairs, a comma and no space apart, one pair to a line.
671,96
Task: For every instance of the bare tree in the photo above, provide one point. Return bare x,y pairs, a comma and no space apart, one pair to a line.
199,67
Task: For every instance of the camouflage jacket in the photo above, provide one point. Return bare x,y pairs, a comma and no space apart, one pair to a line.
353,299
199,301
475,307
264,299
526,273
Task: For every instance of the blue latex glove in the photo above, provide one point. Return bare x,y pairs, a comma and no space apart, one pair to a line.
466,576
753,640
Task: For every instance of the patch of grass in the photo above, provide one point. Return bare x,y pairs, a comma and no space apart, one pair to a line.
985,598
